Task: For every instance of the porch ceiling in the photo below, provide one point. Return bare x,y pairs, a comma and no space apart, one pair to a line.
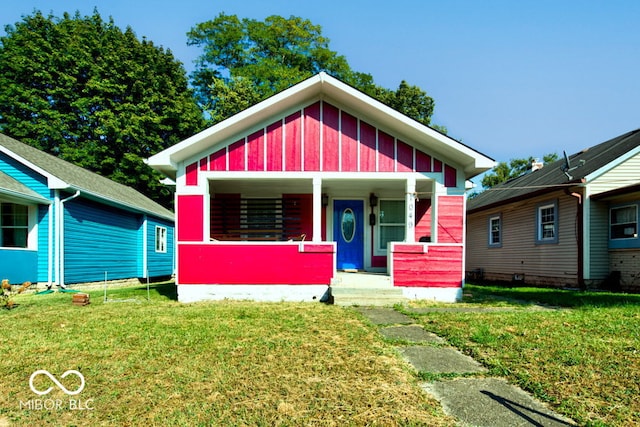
332,187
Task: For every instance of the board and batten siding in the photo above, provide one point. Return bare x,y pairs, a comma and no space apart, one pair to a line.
99,239
553,264
159,263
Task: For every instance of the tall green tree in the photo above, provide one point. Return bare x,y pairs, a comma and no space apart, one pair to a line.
504,171
245,61
82,89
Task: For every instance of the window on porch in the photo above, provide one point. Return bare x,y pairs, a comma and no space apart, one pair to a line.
391,223
259,219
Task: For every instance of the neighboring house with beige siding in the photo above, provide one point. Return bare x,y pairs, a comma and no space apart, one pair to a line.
572,223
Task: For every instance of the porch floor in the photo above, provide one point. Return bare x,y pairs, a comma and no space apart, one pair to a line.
365,289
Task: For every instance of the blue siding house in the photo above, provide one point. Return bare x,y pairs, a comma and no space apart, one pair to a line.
61,224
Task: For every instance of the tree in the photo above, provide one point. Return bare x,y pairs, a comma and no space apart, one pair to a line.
504,171
84,90
245,61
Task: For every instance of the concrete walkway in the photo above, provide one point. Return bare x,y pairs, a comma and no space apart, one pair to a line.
466,394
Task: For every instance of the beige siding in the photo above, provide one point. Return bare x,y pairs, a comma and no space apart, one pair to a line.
553,264
623,175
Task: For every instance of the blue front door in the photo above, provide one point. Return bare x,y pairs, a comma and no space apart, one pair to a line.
348,232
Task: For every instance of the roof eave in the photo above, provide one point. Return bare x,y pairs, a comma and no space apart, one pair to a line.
22,196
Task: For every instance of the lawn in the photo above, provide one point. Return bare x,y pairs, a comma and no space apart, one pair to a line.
582,356
160,362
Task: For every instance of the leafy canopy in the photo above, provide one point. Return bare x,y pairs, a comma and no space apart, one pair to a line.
84,90
245,61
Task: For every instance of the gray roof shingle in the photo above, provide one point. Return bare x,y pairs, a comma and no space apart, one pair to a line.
88,182
552,176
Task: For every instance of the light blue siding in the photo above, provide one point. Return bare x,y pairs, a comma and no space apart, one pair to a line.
159,263
99,239
26,176
18,265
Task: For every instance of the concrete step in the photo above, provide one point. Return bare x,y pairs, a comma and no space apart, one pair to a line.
385,297
362,280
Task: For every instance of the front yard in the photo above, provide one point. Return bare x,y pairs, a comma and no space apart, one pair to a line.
241,363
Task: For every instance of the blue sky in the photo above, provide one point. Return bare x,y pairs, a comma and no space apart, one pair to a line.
510,78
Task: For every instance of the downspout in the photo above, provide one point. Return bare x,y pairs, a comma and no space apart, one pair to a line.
145,251
579,236
60,235
50,249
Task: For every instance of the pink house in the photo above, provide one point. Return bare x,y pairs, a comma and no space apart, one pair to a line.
273,202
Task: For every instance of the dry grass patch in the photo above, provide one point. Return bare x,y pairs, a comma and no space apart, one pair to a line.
225,363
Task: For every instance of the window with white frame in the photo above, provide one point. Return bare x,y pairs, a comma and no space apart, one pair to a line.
547,223
495,231
14,225
391,224
161,239
624,222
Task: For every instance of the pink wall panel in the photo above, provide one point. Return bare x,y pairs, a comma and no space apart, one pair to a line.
405,157
237,156
349,145
386,152
293,142
423,162
440,267
254,264
423,219
190,214
312,137
255,151
306,213
450,176
437,165
218,160
204,164
274,146
191,172
330,138
450,219
367,147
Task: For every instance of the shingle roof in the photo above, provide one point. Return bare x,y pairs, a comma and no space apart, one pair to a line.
552,176
81,179
13,187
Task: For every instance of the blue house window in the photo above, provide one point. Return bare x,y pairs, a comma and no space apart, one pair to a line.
495,231
14,225
161,239
624,222
547,223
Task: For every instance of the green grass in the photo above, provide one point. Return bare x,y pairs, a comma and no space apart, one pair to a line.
582,356
219,363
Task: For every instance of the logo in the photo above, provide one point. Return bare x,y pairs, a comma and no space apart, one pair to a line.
48,404
56,382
